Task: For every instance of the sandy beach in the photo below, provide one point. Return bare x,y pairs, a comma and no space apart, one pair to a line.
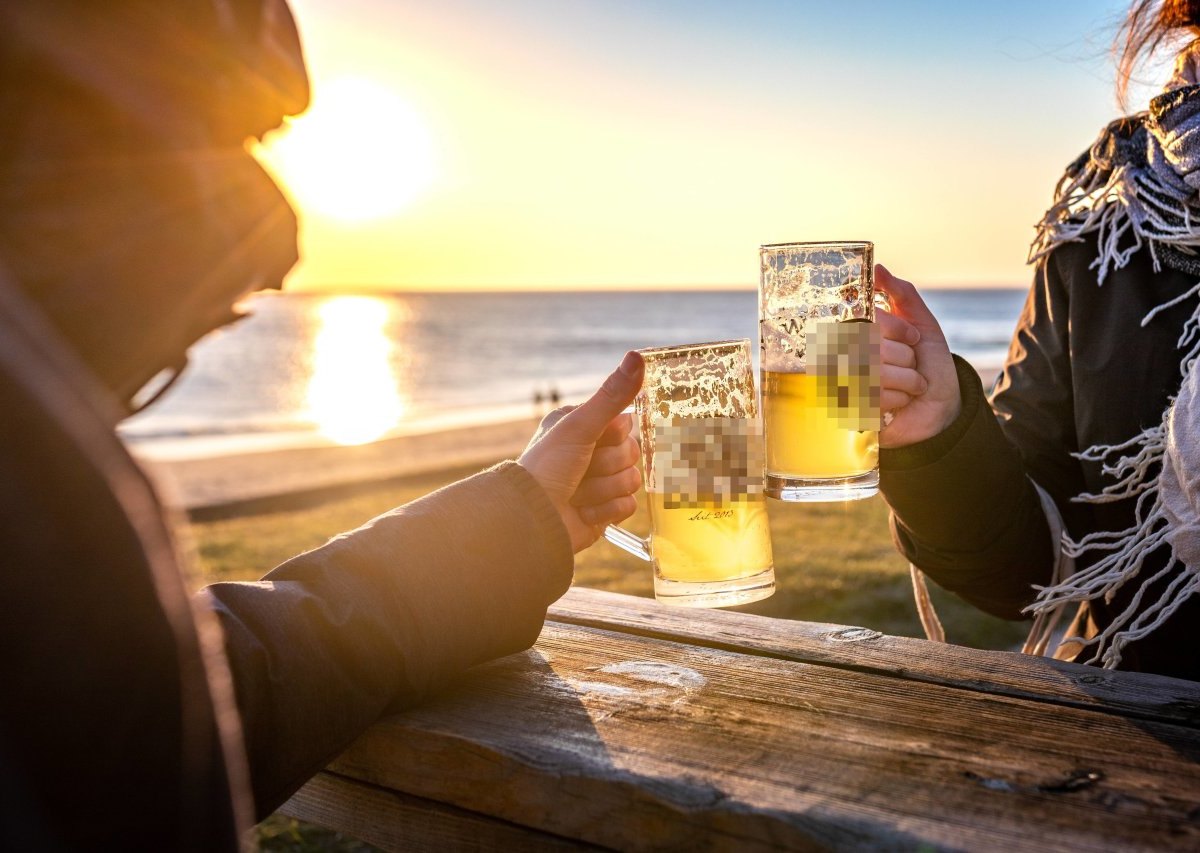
227,480
196,484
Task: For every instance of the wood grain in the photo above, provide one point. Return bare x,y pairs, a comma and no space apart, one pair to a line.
636,742
394,821
1005,673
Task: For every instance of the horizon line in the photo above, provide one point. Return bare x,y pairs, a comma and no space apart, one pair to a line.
326,289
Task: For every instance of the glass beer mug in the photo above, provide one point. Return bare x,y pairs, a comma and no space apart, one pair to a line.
702,460
820,364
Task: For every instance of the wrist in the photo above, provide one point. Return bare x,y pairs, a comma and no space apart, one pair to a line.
953,411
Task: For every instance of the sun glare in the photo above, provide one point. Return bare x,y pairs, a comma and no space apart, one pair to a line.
360,152
353,396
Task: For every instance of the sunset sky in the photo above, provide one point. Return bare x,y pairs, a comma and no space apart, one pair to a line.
557,143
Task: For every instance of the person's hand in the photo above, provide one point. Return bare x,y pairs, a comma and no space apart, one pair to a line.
586,459
918,382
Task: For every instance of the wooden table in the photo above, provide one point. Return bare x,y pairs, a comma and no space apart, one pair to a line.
631,725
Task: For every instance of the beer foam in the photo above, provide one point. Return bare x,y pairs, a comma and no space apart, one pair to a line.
801,286
709,382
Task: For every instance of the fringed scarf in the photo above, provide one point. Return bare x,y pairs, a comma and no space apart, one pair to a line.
1139,187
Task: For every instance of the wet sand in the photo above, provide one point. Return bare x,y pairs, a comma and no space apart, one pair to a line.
193,484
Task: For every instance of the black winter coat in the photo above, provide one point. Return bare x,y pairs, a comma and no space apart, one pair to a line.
1081,371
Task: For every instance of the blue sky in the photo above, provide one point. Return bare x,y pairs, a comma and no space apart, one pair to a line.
625,143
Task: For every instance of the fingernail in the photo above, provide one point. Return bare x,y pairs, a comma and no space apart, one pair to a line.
913,337
631,363
588,514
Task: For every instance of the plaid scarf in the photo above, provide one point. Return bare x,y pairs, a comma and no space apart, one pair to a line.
1138,187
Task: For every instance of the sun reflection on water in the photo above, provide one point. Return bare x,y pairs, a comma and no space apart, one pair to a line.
353,393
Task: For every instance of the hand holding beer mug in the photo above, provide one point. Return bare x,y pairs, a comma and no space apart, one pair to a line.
820,371
702,458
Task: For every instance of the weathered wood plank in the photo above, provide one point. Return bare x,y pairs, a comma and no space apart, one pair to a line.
1005,673
636,743
391,820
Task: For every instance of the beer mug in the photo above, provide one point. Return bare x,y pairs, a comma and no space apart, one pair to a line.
820,363
702,460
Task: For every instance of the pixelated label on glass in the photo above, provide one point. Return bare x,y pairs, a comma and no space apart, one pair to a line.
707,462
845,359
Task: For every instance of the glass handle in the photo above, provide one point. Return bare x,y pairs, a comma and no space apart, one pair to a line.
882,300
626,541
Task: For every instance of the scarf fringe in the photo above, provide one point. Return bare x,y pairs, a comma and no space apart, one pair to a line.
1135,188
1129,548
1114,202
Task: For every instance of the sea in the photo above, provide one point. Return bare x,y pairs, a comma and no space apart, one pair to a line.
307,369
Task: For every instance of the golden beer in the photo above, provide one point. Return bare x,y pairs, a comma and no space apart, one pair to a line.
820,356
710,542
702,458
803,437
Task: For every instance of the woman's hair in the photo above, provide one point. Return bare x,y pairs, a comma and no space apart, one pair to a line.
1148,24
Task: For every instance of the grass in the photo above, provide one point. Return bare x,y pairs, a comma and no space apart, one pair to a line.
833,563
279,834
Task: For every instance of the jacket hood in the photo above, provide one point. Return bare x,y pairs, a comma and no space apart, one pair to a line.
131,211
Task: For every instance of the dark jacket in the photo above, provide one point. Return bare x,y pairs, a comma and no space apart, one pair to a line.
1081,371
118,725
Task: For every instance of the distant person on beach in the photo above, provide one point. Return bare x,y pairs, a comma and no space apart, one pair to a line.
1085,451
132,218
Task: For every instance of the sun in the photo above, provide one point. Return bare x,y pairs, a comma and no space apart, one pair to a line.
360,152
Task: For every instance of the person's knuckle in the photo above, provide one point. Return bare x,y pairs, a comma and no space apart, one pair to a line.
554,416
610,388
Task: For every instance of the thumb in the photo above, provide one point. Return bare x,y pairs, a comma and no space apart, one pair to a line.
906,301
587,421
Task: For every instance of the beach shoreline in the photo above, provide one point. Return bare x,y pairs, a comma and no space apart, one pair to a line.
208,482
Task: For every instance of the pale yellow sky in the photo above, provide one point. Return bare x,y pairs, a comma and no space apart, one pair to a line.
532,144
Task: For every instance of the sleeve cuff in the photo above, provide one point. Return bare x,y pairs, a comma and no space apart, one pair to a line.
553,538
951,488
